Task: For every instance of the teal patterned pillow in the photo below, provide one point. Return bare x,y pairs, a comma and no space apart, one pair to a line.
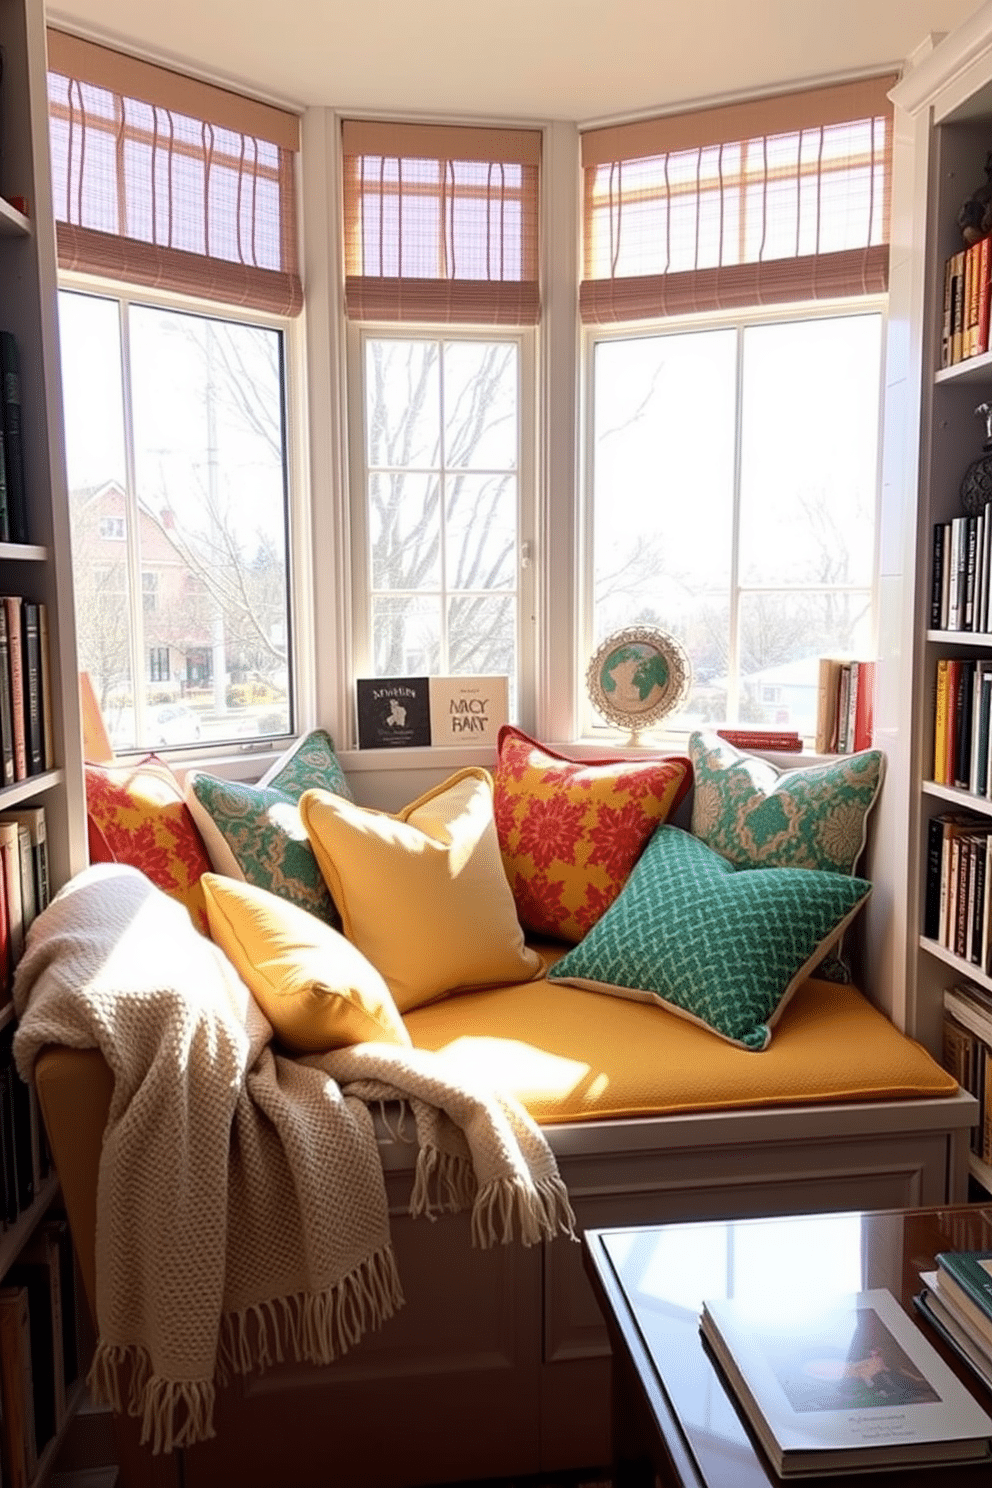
757,816
725,948
254,832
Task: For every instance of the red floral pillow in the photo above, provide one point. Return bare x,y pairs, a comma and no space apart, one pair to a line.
571,831
137,815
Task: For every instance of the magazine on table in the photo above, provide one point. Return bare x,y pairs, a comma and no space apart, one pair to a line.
851,1387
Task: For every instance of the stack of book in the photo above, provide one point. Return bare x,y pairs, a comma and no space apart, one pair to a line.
961,728
965,329
957,1300
845,707
24,885
957,906
967,1054
852,1385
961,573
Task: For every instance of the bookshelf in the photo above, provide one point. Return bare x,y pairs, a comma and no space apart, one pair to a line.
40,568
942,135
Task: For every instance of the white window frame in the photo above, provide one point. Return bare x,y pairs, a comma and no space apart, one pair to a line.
591,726
298,523
526,342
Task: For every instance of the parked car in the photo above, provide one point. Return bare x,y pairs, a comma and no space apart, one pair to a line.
173,723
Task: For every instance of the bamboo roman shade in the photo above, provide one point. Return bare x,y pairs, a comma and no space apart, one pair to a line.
159,179
777,199
441,223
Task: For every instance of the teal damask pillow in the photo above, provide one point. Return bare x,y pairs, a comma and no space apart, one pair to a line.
254,832
757,816
723,947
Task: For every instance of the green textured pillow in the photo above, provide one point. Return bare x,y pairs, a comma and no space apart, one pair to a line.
254,833
758,816
725,948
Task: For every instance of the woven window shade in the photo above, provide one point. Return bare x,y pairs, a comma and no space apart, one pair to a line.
441,223
159,179
778,199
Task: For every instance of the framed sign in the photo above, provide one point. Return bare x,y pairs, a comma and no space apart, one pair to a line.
637,677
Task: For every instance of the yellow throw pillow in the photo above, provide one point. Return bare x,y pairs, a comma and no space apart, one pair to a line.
316,989
423,894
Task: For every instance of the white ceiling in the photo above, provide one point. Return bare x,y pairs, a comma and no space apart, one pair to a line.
526,59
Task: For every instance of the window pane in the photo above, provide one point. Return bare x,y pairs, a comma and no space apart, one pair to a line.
808,456
480,405
89,330
681,473
405,531
782,638
204,531
663,430
406,636
402,403
442,417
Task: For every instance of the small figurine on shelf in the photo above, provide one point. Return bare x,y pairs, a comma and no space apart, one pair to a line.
975,216
976,485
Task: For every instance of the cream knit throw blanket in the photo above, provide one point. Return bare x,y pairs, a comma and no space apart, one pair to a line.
241,1205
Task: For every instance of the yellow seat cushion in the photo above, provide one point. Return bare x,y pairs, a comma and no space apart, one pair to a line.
572,1055
423,894
316,989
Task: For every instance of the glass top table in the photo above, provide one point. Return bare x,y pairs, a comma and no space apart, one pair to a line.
672,1413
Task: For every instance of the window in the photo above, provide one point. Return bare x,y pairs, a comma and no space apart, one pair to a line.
175,215
441,234
439,507
732,451
158,664
178,419
734,476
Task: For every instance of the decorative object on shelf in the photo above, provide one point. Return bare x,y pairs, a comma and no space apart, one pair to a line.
637,677
976,486
975,215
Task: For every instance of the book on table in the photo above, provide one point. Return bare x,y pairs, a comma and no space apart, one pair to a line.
852,1385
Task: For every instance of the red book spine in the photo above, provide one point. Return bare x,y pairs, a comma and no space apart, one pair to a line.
864,708
981,343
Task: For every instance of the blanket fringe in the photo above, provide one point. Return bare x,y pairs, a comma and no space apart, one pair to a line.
173,1413
310,1327
541,1210
443,1183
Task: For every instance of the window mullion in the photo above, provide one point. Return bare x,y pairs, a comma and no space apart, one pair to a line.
135,595
734,617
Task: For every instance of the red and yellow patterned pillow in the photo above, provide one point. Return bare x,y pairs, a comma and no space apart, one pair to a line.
137,815
571,831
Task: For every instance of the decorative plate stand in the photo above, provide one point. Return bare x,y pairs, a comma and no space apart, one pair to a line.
637,677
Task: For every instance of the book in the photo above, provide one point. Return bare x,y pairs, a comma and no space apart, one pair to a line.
948,315
393,712
16,1384
25,851
843,706
852,1385
967,1275
33,725
983,269
468,710
37,1269
952,1329
772,740
863,730
13,444
35,820
941,535
6,715
828,682
15,653
10,869
942,706
931,895
957,306
45,660
961,765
